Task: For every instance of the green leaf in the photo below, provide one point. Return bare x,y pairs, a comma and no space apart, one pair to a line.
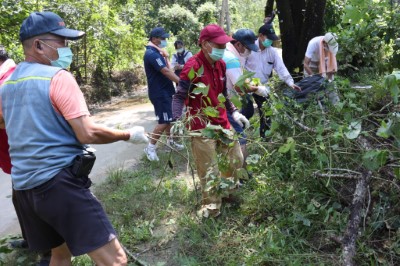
375,159
384,129
242,79
200,71
288,146
274,126
201,88
191,73
279,105
21,259
236,100
208,133
351,95
210,111
221,98
227,132
213,132
396,172
253,159
301,218
352,15
353,130
391,82
256,81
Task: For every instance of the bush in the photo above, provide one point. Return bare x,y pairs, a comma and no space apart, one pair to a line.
366,36
103,86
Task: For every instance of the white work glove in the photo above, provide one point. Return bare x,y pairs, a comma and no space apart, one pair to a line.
137,135
262,91
240,119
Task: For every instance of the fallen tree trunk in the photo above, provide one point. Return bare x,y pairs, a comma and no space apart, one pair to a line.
350,236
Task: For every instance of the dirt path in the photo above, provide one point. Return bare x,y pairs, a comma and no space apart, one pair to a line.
123,113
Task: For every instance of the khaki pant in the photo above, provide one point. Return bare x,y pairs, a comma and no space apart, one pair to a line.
205,152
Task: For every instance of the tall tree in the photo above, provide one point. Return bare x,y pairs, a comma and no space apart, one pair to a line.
299,22
269,7
224,18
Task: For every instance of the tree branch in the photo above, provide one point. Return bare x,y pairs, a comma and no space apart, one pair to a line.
343,170
337,176
306,128
349,173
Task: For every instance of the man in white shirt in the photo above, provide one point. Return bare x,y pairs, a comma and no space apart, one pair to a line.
180,58
325,46
236,52
262,63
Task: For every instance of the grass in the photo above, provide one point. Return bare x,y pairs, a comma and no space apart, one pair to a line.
153,208
161,228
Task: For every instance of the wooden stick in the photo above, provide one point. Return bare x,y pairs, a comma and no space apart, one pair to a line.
306,128
347,176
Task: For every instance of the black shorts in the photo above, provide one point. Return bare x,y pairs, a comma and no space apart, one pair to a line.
163,109
64,210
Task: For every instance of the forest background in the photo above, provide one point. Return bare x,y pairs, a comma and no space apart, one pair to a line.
326,184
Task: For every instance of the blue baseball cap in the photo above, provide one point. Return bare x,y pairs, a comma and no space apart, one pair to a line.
159,32
247,38
268,30
39,23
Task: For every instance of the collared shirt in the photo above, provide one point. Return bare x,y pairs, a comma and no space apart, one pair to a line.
159,85
174,60
233,66
214,77
263,62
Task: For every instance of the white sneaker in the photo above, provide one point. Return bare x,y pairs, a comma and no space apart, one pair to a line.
151,154
175,145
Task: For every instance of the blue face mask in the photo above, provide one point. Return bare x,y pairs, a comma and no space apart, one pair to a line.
163,44
267,43
65,56
216,54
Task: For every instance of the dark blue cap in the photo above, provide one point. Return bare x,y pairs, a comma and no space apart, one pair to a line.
39,23
268,30
159,32
247,38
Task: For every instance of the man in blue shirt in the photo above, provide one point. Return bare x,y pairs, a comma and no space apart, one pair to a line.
160,88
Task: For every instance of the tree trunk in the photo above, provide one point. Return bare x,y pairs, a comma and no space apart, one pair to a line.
298,27
288,36
353,225
312,26
228,18
269,7
222,15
